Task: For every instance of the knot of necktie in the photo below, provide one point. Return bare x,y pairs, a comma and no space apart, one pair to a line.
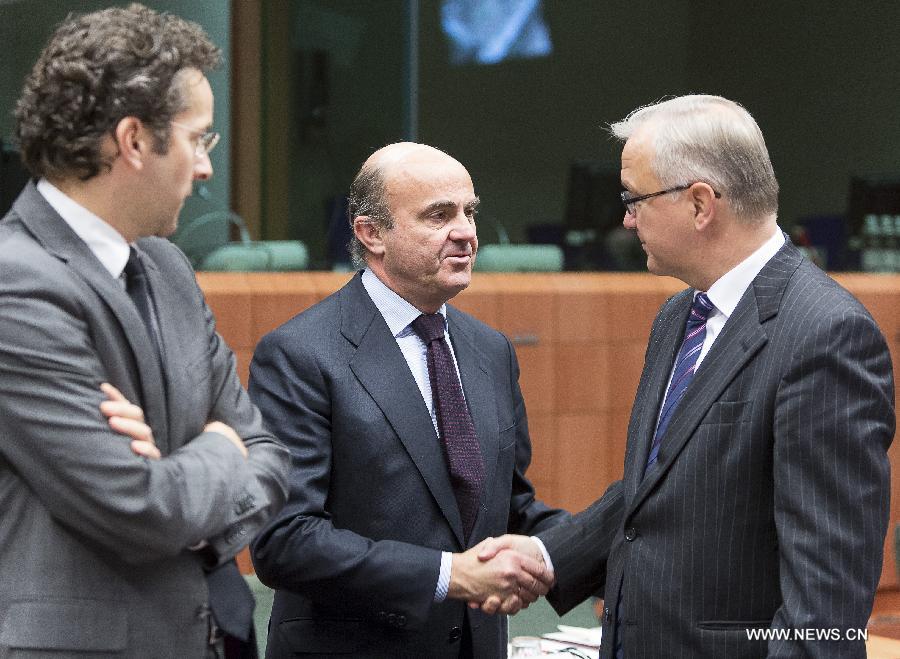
133,268
429,327
701,308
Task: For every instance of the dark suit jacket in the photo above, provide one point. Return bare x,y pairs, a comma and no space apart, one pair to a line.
769,505
93,539
355,554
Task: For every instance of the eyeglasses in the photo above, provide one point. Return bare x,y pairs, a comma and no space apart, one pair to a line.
206,141
630,201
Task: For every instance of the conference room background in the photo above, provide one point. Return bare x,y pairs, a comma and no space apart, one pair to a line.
310,87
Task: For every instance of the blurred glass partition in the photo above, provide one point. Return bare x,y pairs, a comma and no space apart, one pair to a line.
333,89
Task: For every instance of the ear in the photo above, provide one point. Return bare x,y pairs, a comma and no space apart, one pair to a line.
369,234
133,141
704,199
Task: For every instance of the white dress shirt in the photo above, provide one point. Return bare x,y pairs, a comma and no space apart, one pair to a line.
726,292
106,243
728,289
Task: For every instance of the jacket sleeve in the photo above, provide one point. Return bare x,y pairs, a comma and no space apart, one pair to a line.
527,515
55,441
301,549
834,421
257,486
580,548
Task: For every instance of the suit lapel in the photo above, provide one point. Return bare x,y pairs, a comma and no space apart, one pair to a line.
742,337
660,360
58,239
382,370
738,342
478,389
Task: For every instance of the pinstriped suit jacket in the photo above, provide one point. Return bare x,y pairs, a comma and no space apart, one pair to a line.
769,505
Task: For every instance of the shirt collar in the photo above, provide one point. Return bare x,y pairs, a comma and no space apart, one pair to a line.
106,243
728,289
397,312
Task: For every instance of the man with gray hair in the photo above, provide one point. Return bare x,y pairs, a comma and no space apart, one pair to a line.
752,513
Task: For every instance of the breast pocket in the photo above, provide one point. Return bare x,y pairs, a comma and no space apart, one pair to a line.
198,370
507,438
727,411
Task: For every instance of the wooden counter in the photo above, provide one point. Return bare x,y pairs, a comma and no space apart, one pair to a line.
580,339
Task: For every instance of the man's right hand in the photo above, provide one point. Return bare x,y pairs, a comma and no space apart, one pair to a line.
228,431
490,548
510,581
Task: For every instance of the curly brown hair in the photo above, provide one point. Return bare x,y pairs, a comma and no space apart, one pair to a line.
97,69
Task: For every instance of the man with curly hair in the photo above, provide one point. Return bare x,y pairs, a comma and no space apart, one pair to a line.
133,465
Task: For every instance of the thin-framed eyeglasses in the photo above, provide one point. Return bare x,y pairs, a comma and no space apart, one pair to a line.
206,141
630,201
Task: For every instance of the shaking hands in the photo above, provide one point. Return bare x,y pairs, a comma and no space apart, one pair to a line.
500,575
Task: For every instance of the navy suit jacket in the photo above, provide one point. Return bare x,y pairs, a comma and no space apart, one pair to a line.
354,556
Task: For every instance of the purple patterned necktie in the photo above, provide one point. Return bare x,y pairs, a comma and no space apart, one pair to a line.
453,420
685,365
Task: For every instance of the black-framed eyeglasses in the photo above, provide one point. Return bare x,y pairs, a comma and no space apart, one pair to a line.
206,141
630,201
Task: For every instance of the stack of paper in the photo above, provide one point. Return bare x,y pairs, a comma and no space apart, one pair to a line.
582,636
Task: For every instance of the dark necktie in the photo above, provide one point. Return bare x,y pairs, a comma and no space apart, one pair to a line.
139,291
685,366
453,420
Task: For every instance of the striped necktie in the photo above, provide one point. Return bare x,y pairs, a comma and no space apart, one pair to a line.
685,365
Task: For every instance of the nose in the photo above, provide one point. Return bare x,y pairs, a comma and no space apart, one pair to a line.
463,228
629,221
203,169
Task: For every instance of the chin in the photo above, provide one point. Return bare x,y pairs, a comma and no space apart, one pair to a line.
453,285
167,230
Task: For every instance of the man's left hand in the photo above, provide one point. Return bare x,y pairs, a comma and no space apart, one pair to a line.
127,419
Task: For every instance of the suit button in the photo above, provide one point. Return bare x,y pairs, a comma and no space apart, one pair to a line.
455,634
382,616
401,621
392,619
630,533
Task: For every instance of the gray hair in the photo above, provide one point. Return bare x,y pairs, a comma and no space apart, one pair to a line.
713,140
367,198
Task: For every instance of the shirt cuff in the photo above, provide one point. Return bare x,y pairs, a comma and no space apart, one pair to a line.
544,553
443,584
